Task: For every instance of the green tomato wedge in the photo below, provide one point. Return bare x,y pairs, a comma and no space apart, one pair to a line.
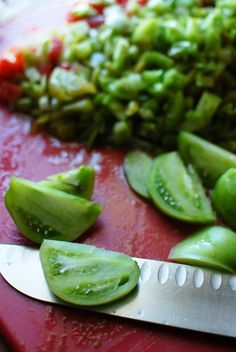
213,247
42,212
85,275
209,160
137,165
78,182
177,191
224,197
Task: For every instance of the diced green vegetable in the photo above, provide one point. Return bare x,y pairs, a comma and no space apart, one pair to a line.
86,275
65,85
212,247
177,191
98,83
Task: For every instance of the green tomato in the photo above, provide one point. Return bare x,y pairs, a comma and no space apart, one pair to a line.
213,247
42,212
85,275
78,182
137,165
177,190
224,197
209,160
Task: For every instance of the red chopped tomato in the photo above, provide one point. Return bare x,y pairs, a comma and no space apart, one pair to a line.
66,66
46,68
96,21
122,2
12,64
9,92
142,2
55,50
99,8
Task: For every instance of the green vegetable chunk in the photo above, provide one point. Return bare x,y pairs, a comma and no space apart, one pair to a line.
224,197
85,275
177,190
42,212
213,247
65,85
137,165
78,182
209,160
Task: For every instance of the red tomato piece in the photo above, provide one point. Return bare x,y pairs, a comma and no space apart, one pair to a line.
142,2
46,68
9,92
96,21
66,66
98,8
122,2
12,64
55,51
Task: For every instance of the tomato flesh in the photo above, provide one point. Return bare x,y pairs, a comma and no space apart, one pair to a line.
40,211
11,64
177,191
85,275
9,92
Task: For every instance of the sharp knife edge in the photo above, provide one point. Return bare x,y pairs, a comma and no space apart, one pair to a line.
171,294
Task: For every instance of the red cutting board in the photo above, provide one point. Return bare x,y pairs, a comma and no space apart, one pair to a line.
127,224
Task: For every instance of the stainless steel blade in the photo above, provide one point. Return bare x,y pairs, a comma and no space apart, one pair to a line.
167,293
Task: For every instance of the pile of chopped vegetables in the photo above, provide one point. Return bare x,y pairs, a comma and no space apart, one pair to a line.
133,74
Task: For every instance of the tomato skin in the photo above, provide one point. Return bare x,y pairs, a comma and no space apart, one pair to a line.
99,8
142,2
211,247
55,50
12,63
66,66
96,21
9,92
46,68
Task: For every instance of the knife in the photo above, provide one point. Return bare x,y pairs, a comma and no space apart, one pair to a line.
167,293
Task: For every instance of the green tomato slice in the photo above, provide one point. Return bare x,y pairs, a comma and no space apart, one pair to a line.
177,190
78,182
209,160
137,165
224,197
42,212
213,247
85,275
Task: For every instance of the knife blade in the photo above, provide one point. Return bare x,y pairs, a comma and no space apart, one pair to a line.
172,294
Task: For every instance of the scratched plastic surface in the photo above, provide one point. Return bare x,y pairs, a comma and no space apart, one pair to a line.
127,224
